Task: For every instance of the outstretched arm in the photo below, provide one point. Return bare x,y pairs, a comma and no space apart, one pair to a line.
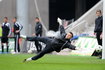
70,46
62,31
61,28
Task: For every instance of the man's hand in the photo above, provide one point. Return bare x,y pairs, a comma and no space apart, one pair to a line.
101,36
33,34
94,33
12,29
59,21
9,36
17,31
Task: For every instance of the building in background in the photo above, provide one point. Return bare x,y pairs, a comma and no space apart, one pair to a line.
49,10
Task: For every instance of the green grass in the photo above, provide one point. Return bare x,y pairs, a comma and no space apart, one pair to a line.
50,62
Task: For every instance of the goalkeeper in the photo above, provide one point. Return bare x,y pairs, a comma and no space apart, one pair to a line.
52,44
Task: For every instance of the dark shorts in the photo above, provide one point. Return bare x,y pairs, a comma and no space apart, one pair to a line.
4,39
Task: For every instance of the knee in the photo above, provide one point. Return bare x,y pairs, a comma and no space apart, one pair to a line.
72,47
38,56
42,53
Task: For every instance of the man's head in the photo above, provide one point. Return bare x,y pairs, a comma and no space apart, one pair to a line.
98,13
69,35
14,19
37,19
5,19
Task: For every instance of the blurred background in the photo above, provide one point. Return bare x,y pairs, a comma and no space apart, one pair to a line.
78,16
49,10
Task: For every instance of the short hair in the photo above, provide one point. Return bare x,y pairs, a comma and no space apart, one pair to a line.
15,18
37,18
71,33
6,18
98,11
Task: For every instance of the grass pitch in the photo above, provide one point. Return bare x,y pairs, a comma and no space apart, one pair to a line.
50,62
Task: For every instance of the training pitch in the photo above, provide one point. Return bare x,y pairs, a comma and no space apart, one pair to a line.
50,62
